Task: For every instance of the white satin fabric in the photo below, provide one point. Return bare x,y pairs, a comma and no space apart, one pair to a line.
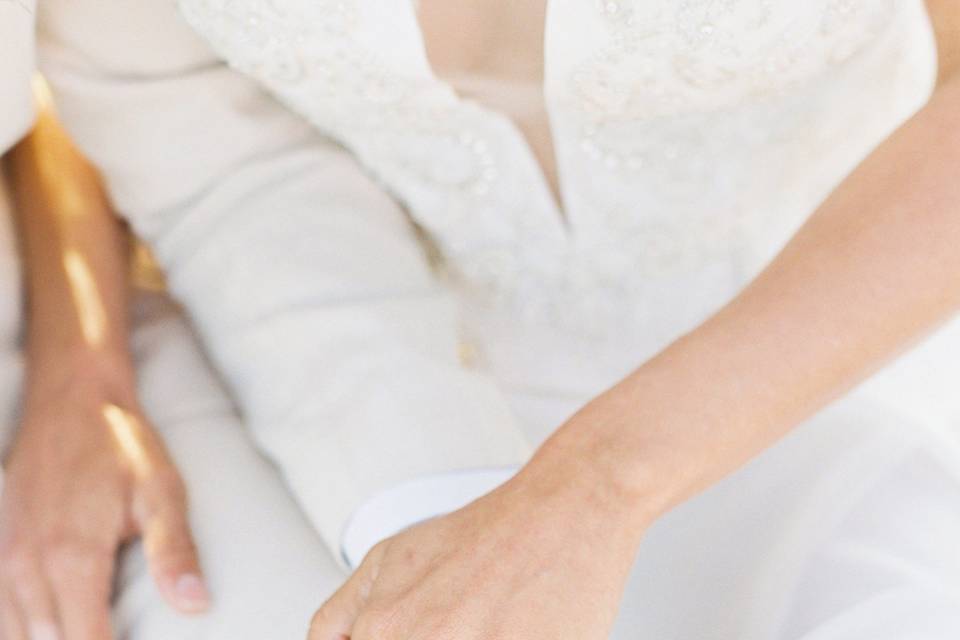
692,138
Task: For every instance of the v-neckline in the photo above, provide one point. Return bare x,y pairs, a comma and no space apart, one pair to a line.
554,193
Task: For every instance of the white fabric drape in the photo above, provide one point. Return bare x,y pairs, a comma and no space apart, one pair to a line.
306,282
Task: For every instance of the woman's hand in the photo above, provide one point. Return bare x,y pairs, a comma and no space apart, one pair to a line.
544,556
86,475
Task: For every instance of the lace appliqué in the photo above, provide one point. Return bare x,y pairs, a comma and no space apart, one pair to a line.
677,86
657,109
456,168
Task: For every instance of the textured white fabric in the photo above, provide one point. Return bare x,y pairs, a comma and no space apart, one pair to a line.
690,137
689,157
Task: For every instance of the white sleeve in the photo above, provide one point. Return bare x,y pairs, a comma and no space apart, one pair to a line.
892,569
308,284
414,501
16,70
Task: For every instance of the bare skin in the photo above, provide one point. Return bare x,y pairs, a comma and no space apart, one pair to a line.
86,473
872,271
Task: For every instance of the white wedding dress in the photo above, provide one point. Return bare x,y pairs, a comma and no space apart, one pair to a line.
381,272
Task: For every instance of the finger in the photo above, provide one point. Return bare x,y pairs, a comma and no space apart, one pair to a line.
169,547
335,619
10,621
35,602
81,580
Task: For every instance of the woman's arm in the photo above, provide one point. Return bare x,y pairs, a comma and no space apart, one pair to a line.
75,261
873,270
86,472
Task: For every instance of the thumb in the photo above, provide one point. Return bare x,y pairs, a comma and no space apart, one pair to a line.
163,523
335,619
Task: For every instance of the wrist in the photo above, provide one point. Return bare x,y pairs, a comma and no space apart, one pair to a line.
93,376
576,472
621,456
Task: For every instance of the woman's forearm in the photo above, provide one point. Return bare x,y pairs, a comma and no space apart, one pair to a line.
75,257
87,473
872,271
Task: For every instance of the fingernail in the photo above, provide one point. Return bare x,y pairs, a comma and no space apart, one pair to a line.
43,631
191,593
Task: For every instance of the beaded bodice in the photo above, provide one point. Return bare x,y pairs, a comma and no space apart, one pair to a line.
684,130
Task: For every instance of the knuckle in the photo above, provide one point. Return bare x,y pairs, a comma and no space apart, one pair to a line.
74,558
321,620
53,538
9,546
18,563
438,632
441,629
379,550
167,485
376,555
376,623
